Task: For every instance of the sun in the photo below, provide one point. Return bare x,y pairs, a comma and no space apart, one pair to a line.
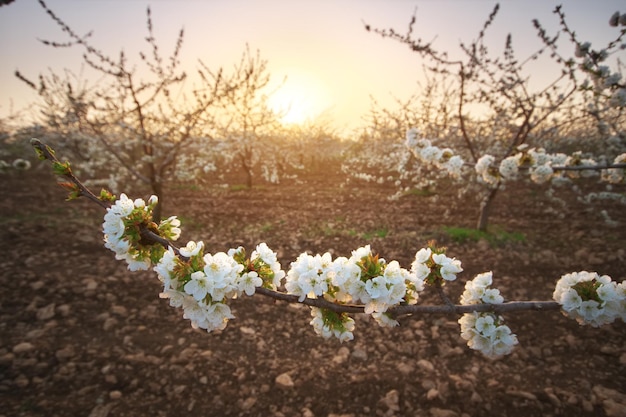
302,97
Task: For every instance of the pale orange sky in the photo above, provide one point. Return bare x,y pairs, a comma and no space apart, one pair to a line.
321,45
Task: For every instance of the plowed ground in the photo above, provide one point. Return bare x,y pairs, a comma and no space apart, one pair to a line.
82,336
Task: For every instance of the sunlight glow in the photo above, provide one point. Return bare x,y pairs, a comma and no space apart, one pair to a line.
303,97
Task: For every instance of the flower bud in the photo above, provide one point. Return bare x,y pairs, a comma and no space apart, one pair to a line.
614,20
139,203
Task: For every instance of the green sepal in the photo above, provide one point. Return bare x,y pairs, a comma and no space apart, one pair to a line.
588,290
156,253
334,320
371,267
240,257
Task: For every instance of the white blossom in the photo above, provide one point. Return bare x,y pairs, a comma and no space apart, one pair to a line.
590,298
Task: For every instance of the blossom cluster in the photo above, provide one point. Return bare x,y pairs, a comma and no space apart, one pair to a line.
485,331
201,284
590,298
485,169
125,222
615,175
539,164
477,291
425,151
363,278
543,166
328,323
431,265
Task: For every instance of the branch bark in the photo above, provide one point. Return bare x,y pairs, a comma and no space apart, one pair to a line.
416,309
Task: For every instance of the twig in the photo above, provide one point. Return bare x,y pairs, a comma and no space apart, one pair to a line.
47,153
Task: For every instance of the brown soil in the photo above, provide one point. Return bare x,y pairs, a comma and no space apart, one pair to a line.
82,336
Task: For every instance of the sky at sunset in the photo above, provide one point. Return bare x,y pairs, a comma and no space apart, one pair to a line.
331,62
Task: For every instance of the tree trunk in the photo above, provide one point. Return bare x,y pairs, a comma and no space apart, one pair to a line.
248,177
485,208
248,170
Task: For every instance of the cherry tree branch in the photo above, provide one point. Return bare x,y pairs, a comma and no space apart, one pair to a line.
45,152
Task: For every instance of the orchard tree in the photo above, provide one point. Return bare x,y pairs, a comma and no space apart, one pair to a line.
133,123
247,120
497,112
311,146
378,156
603,89
259,142
432,108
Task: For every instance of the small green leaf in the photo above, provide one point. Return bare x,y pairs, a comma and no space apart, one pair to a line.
40,154
106,195
74,195
61,168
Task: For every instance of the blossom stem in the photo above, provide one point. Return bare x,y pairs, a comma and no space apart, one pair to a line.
152,237
443,295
